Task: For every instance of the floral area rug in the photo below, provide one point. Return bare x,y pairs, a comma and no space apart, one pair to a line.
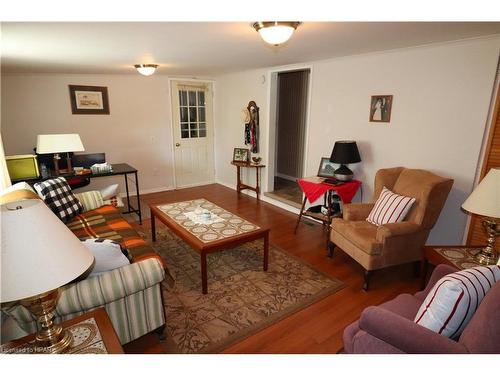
242,299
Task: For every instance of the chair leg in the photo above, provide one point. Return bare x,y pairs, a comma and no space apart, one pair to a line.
367,277
331,248
416,268
160,331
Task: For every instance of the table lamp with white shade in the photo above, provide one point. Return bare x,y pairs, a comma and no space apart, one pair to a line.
57,143
39,254
485,201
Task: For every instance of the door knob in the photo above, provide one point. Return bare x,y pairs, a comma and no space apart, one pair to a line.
177,144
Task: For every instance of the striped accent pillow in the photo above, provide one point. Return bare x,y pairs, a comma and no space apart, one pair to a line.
454,299
390,208
90,200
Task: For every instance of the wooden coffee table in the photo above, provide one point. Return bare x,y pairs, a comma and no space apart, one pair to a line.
223,230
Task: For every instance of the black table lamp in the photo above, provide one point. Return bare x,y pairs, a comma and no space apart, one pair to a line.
344,152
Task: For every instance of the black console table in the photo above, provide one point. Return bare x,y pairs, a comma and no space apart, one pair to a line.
118,169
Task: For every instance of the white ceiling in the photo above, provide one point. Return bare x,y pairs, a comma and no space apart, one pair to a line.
205,48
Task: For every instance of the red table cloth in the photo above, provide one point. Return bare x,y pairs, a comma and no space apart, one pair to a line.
315,188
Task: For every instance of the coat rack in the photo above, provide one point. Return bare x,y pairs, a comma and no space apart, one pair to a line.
252,127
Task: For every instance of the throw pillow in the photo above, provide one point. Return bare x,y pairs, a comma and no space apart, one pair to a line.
109,192
115,201
108,255
390,208
90,200
454,299
58,196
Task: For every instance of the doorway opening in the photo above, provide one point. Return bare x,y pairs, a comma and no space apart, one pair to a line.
289,135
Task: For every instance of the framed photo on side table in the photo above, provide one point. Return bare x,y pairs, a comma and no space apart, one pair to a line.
241,155
326,168
89,100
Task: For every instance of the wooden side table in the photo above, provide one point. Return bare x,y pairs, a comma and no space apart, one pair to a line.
461,257
92,333
241,186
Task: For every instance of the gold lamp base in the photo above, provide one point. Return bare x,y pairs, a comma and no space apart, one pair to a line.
51,338
488,255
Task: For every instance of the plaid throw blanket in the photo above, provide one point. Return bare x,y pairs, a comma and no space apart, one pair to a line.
107,222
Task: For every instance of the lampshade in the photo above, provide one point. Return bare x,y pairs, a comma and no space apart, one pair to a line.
146,69
55,143
4,173
345,152
39,253
485,198
276,32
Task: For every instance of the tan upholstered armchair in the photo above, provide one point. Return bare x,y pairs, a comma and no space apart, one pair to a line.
376,247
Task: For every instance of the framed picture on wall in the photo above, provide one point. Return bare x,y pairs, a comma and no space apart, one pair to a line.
326,168
89,100
380,108
241,155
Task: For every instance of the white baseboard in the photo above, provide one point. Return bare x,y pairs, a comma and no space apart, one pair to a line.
263,198
147,191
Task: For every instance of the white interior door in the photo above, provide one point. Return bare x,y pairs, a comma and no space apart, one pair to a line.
193,133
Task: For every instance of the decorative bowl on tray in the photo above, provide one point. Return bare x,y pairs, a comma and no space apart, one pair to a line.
256,159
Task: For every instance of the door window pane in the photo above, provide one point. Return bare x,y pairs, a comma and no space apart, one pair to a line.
201,98
201,113
192,114
182,97
184,114
192,98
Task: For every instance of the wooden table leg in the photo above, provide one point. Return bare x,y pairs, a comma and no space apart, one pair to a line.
153,227
257,188
266,251
238,179
300,214
204,277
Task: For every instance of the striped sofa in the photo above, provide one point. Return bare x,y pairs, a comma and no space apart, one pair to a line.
131,294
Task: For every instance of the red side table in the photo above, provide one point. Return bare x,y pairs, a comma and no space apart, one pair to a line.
315,187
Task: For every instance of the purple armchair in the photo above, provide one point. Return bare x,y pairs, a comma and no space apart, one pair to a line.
389,328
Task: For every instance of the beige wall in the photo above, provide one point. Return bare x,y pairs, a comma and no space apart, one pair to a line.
138,130
441,98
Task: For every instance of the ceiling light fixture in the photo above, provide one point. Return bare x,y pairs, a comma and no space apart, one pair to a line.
276,32
146,69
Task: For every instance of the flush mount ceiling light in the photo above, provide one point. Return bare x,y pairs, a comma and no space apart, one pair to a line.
276,32
146,69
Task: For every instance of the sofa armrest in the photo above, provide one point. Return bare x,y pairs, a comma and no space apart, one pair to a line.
110,286
396,229
404,334
356,211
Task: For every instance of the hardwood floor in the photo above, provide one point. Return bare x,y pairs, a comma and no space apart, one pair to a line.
318,328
